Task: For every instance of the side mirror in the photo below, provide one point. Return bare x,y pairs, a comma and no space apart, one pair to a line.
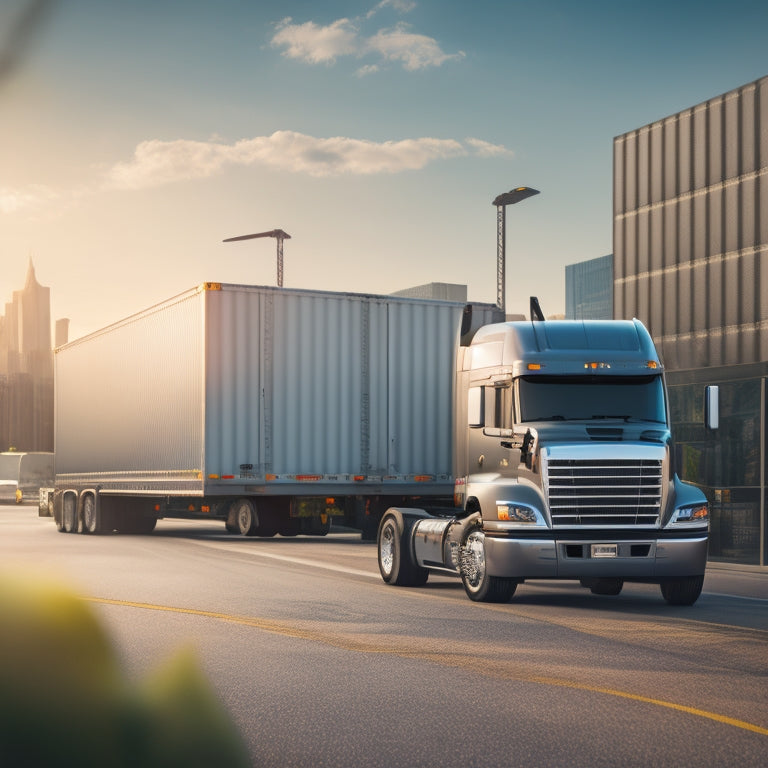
712,407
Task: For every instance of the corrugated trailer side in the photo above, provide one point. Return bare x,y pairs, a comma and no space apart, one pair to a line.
312,392
263,406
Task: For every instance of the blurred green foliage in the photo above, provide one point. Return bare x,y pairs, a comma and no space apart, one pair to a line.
64,700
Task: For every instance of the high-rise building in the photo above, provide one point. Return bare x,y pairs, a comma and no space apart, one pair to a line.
690,239
26,369
589,289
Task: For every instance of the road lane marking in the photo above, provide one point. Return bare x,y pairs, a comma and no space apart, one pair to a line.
298,561
658,702
337,641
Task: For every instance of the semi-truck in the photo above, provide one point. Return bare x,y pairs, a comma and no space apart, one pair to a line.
274,410
564,469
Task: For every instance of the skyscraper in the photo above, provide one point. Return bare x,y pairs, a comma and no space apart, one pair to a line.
26,369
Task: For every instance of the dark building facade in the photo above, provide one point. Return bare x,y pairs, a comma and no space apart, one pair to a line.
691,261
589,289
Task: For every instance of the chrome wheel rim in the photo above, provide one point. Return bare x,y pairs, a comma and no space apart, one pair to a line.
387,549
244,517
473,560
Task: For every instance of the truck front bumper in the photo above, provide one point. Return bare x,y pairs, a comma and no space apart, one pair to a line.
603,556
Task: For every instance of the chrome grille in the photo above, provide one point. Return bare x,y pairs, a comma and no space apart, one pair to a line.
586,492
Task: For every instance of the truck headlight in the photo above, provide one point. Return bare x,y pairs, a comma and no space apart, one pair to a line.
522,514
693,516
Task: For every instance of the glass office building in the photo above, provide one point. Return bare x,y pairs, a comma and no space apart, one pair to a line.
691,261
589,289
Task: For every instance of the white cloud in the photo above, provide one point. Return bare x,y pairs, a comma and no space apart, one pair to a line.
11,201
486,149
412,50
367,69
155,163
14,200
315,44
160,162
401,6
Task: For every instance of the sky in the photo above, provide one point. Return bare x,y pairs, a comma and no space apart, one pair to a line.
136,136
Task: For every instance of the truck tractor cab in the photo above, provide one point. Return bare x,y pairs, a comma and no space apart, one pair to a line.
564,467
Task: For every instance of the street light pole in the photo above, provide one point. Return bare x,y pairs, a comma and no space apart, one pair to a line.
501,202
279,235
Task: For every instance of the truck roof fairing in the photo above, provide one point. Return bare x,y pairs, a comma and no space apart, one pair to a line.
574,347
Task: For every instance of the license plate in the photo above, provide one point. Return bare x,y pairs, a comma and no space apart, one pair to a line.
605,550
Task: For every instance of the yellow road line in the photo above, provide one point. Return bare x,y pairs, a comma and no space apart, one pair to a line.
284,629
658,702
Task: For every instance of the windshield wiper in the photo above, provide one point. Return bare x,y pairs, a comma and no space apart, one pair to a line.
627,418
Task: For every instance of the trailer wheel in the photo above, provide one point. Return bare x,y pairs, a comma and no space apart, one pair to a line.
682,591
245,516
478,585
91,518
58,512
396,564
230,522
69,513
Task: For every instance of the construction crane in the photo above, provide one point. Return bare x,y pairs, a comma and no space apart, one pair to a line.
279,235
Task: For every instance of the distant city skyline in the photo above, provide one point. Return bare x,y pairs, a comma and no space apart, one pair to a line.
136,137
26,368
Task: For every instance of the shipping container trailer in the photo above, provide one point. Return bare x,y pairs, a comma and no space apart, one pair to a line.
272,409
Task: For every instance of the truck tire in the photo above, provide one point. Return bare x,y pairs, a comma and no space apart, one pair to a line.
91,515
478,585
58,512
246,519
69,513
606,586
396,563
682,591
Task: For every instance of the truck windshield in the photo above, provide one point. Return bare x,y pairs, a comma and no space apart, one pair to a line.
583,398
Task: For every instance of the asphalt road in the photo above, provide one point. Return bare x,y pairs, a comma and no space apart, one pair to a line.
322,664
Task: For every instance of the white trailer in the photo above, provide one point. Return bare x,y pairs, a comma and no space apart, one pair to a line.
272,409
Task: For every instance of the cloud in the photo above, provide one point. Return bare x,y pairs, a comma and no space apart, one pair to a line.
158,162
401,6
155,162
486,149
11,200
316,44
413,51
14,200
